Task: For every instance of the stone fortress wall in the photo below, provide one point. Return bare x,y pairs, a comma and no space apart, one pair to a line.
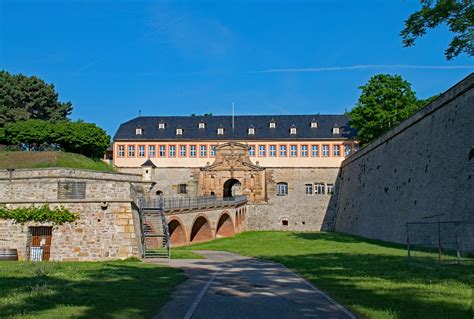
422,170
106,228
297,211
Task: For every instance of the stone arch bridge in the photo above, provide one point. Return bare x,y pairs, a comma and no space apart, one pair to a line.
188,220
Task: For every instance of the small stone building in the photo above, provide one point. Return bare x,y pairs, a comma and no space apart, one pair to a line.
107,227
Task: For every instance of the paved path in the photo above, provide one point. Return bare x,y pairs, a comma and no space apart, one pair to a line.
226,286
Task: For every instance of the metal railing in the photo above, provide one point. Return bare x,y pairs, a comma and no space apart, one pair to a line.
191,202
166,233
449,239
155,232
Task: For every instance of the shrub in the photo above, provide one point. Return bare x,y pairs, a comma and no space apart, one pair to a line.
57,216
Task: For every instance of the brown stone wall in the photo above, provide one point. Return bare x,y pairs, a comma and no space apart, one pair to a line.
107,225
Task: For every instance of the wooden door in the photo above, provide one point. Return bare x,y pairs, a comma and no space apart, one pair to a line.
40,245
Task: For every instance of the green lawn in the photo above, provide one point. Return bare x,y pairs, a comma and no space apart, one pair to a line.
50,159
118,289
372,278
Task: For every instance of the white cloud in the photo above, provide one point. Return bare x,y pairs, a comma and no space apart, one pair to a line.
369,66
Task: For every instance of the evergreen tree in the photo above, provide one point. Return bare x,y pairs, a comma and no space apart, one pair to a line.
23,98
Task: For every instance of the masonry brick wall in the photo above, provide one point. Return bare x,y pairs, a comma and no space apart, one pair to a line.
302,212
422,170
106,228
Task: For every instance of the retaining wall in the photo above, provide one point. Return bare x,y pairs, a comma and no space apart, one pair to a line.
422,170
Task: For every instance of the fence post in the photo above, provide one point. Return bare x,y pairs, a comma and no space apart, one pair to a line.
439,242
408,242
458,254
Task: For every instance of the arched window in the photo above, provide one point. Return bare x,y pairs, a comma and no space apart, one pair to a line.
282,189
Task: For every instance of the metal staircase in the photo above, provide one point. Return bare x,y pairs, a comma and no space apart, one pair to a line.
155,234
156,240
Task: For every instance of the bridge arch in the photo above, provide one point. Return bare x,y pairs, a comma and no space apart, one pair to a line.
177,232
225,226
201,230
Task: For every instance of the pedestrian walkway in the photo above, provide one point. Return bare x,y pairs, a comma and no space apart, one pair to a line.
226,285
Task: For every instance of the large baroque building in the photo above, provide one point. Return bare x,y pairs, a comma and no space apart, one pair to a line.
286,165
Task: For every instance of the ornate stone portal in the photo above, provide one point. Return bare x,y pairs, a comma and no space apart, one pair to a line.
232,173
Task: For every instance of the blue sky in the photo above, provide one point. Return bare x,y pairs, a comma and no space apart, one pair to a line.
114,58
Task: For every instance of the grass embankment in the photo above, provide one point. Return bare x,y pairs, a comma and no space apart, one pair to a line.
50,159
372,278
118,289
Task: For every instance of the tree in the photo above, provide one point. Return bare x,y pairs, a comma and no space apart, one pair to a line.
24,98
457,14
77,137
83,138
32,135
424,102
385,101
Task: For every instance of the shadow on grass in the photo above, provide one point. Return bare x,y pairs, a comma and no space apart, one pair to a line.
379,285
345,238
373,278
86,290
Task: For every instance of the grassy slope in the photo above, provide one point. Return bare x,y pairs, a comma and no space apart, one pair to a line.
50,159
120,289
371,277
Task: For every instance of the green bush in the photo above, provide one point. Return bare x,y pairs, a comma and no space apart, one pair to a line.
75,137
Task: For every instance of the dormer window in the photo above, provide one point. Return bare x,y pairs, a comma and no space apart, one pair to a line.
220,131
292,130
272,125
335,130
314,124
161,126
138,131
179,131
251,131
202,125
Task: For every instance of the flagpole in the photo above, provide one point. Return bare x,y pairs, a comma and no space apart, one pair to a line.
233,116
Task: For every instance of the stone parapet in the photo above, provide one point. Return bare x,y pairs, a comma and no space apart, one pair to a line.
39,173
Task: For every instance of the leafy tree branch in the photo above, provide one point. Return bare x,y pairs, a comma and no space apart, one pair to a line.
458,15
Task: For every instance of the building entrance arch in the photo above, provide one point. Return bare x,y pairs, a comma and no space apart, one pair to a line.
232,187
232,174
